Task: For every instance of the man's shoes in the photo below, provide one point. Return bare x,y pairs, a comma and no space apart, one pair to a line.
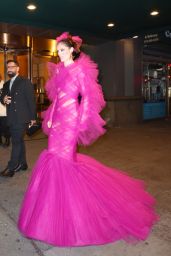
24,167
21,167
10,172
17,168
7,173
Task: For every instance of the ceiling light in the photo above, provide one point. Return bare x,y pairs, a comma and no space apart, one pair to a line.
31,7
110,25
154,13
135,37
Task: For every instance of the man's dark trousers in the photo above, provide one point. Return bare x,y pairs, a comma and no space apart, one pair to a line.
18,153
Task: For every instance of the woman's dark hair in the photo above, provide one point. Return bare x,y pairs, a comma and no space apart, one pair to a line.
69,43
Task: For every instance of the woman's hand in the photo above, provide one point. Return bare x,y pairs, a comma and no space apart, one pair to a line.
49,124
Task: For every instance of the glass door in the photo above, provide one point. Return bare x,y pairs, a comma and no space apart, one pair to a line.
154,90
23,56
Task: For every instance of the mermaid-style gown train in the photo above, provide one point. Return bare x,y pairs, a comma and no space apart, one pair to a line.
72,199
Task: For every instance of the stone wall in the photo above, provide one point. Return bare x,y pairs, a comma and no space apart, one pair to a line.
123,111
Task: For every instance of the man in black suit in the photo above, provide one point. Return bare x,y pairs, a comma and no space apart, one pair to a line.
18,95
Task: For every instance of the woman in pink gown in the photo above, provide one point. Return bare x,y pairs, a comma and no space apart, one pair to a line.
72,199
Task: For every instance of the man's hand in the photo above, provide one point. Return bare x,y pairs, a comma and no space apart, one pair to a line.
32,122
7,99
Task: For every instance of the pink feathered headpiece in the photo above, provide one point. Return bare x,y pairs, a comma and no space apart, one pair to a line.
76,39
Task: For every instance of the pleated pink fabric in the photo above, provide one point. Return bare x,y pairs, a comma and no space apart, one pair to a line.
72,199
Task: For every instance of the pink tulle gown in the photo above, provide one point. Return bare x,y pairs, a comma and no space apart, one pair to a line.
72,199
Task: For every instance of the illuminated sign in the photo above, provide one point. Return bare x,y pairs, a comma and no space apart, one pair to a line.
164,36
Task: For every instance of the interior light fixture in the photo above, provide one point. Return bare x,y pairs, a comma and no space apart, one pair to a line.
110,25
5,38
31,7
135,37
154,13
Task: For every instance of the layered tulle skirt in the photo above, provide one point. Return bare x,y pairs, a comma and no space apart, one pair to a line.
82,202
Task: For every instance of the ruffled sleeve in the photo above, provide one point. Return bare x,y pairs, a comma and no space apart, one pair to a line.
51,90
91,125
51,84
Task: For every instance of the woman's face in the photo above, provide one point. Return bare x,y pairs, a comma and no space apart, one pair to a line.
64,52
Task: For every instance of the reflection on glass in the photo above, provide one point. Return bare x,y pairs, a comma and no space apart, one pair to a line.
154,82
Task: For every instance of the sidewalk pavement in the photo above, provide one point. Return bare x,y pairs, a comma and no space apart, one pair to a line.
143,151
